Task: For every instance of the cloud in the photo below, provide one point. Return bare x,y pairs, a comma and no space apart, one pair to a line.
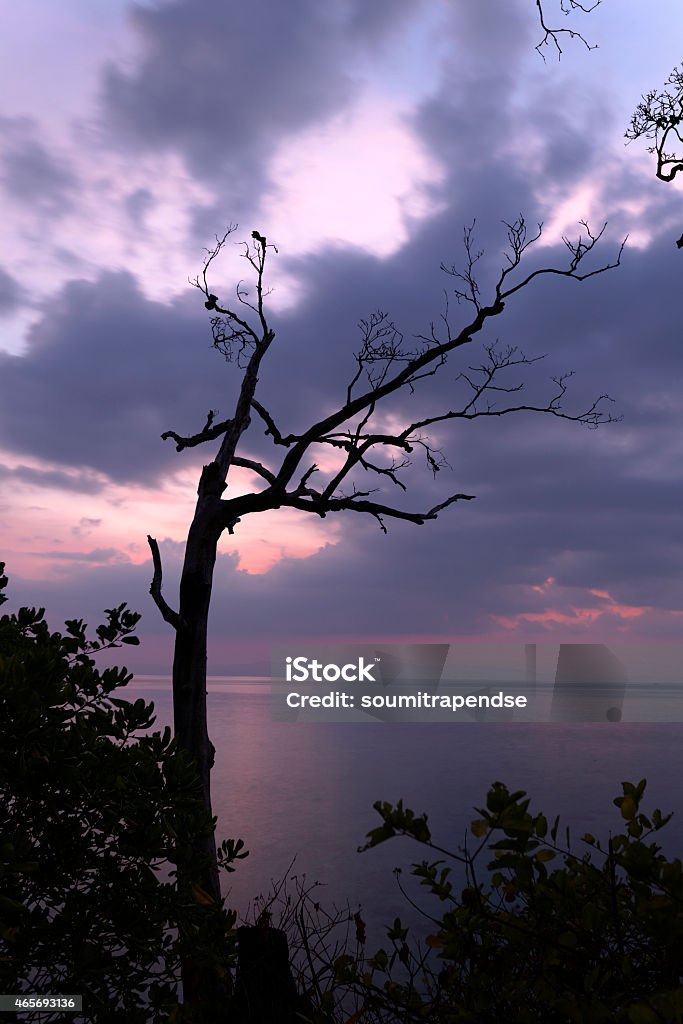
479,572
336,198
10,293
30,173
81,482
218,114
99,556
105,373
85,526
138,204
220,84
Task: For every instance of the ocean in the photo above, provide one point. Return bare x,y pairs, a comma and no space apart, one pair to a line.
303,792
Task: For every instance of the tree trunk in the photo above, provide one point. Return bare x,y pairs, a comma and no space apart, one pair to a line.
265,991
189,674
189,717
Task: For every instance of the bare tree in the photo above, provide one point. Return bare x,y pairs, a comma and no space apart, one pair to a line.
385,366
658,117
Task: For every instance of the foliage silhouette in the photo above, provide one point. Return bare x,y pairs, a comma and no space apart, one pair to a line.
100,889
552,936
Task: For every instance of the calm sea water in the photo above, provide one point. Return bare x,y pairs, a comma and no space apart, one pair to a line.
305,790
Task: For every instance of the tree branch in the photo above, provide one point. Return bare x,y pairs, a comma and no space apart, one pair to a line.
424,362
389,367
231,333
591,417
270,424
551,35
238,329
255,467
520,242
209,432
356,503
167,612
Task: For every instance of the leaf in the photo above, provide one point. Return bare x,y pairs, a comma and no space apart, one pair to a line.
376,836
380,961
543,856
479,828
628,808
343,965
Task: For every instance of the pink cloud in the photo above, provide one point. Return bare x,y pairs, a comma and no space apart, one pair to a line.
111,523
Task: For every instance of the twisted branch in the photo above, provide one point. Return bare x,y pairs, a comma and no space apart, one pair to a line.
167,613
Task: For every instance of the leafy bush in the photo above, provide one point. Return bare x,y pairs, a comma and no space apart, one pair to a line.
99,828
551,936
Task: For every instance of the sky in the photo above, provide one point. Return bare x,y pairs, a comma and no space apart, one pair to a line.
360,138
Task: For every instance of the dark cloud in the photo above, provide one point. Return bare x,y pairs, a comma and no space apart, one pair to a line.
377,23
82,482
570,139
473,112
221,83
105,373
10,293
30,173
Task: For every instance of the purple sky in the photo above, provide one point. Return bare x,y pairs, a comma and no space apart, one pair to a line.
360,138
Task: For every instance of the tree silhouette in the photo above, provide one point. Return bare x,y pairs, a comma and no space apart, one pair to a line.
385,366
658,118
